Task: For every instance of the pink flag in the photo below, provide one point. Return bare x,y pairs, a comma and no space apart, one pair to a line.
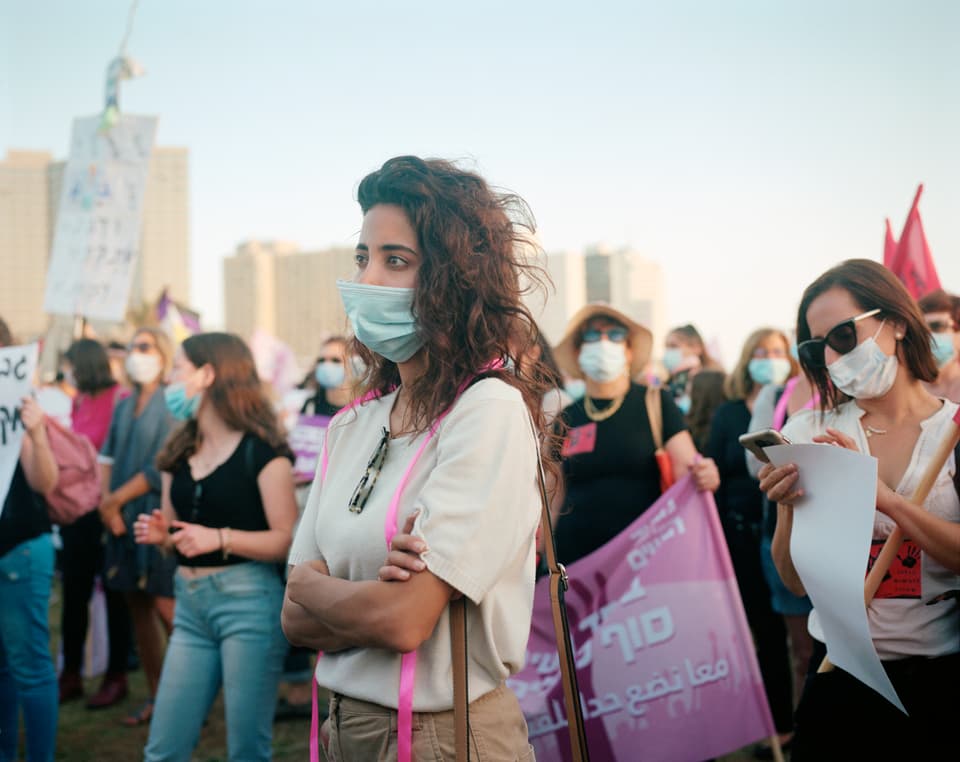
913,263
889,247
665,660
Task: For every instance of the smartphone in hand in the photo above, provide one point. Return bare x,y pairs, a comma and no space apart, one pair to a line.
755,441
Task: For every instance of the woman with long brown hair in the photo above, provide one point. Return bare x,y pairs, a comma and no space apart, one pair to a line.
865,347
443,445
227,511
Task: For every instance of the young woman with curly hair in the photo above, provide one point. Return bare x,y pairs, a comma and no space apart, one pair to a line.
443,446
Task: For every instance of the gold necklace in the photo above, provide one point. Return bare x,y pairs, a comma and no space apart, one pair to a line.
601,415
872,431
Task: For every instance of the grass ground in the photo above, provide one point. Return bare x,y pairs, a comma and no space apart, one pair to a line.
99,736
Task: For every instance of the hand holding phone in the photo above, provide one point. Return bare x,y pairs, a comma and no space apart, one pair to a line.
755,441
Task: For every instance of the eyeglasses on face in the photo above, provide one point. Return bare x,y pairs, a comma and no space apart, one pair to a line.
362,493
615,334
940,326
142,346
842,338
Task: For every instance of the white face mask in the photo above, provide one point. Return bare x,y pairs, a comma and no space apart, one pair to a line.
865,372
142,368
603,360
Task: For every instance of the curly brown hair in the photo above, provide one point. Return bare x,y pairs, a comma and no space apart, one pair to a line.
475,245
237,395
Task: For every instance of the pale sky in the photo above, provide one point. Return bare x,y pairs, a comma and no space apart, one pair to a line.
745,146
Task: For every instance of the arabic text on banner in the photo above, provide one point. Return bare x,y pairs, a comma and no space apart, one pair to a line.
665,659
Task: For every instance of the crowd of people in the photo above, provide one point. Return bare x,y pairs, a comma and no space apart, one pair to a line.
222,571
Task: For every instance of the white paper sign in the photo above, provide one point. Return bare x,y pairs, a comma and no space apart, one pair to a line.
830,546
99,220
16,378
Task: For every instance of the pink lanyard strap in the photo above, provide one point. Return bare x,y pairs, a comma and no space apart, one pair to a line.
780,411
408,661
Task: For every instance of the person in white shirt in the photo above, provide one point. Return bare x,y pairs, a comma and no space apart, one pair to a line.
442,445
864,345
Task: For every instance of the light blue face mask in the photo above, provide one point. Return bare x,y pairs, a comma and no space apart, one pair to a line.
329,375
181,407
943,349
769,370
382,319
672,357
576,388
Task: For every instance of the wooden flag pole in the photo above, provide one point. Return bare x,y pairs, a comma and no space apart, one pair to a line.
892,545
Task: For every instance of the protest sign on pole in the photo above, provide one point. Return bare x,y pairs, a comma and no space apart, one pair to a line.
665,659
16,379
96,241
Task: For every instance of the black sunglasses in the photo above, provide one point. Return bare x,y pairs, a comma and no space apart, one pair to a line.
362,493
842,338
616,335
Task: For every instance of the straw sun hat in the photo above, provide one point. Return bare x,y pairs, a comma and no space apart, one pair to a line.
639,339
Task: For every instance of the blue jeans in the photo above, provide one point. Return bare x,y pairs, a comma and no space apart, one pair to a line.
28,679
226,631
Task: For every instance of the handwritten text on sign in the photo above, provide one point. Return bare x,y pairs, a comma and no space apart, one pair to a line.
16,375
99,219
664,657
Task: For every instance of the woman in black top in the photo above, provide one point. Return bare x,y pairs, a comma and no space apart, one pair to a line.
332,377
228,501
28,680
765,359
610,470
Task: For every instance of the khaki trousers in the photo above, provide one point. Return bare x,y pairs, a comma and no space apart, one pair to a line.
364,732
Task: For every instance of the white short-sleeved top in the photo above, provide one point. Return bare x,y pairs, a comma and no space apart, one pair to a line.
902,627
477,490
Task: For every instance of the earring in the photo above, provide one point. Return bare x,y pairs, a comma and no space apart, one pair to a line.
898,336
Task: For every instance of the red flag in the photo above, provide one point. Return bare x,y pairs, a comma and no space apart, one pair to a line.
889,247
913,263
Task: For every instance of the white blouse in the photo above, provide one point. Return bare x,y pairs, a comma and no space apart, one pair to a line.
477,490
903,627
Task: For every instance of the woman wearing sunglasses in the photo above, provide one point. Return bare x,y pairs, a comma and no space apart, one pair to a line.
866,348
610,471
138,429
332,376
443,445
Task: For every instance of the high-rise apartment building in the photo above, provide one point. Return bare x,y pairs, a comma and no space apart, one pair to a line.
622,278
25,234
30,187
288,293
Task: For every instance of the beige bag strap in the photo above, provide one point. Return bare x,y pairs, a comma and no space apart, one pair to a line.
655,414
461,700
561,627
568,667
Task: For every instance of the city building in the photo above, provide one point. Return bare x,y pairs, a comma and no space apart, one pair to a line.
290,294
622,278
25,236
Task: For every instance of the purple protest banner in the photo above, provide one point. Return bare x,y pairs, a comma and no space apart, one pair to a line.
306,441
665,660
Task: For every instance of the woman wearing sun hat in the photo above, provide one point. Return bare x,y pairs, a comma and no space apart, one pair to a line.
610,469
